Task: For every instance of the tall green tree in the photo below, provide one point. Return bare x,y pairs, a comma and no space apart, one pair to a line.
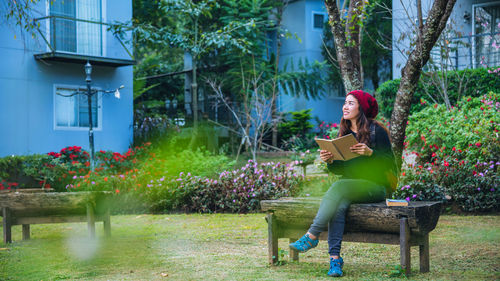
346,32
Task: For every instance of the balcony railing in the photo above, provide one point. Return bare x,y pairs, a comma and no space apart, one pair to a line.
77,40
473,51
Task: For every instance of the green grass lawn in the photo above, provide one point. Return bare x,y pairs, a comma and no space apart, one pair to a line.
233,247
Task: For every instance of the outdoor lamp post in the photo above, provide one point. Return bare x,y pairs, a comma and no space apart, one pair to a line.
89,93
88,71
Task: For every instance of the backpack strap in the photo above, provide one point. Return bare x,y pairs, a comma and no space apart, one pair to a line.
373,141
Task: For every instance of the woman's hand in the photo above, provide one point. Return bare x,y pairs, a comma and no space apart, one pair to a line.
326,156
362,149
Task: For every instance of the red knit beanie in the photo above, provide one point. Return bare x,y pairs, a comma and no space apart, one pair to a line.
368,103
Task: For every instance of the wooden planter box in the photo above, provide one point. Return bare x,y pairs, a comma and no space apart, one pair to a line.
25,208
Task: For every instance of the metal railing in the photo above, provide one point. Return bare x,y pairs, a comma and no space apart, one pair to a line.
472,51
77,36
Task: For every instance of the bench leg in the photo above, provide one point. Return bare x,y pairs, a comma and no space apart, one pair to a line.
91,220
272,239
404,245
294,255
7,234
26,232
424,254
107,224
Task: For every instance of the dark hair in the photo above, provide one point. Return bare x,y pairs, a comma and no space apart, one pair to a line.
363,125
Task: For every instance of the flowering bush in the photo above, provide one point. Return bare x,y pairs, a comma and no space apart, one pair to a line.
327,130
117,162
456,154
238,191
73,155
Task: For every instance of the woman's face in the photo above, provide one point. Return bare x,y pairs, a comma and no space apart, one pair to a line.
351,108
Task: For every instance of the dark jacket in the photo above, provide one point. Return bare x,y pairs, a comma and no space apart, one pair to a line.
373,168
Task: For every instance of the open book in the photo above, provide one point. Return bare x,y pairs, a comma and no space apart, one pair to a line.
339,147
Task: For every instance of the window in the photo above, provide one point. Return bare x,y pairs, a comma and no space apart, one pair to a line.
70,31
318,20
487,34
72,112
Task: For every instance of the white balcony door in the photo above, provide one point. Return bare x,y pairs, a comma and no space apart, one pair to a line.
89,35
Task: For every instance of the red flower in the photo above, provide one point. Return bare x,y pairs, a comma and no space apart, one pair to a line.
454,149
474,173
446,164
468,99
87,164
117,191
478,144
434,154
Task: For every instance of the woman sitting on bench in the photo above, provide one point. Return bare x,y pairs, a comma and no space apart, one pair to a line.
365,179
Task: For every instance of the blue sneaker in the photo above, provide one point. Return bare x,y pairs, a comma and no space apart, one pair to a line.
304,244
336,267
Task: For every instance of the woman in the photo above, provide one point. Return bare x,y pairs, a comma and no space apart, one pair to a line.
364,178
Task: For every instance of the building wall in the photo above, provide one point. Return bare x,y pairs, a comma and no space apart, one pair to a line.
401,24
298,19
27,93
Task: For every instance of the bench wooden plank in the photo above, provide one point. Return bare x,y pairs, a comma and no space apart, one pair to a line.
372,217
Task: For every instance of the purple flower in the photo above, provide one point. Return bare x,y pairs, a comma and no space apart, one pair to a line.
481,174
74,177
162,179
149,185
478,189
407,198
93,182
492,166
234,200
492,189
414,196
307,194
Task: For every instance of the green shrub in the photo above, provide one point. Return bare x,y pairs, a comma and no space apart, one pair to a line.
478,81
239,191
299,125
457,154
32,171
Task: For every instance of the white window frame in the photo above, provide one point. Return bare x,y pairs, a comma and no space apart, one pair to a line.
103,27
97,96
313,13
474,64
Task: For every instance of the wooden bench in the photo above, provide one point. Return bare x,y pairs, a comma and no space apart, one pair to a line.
19,208
369,223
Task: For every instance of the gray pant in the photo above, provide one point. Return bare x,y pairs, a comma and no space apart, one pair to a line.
334,206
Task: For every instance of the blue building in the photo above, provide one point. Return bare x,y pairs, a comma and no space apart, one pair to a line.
306,19
36,73
472,35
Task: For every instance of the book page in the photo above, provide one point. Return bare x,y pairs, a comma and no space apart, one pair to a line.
343,145
325,144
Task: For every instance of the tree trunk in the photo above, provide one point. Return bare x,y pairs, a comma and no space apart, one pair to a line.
347,42
436,22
